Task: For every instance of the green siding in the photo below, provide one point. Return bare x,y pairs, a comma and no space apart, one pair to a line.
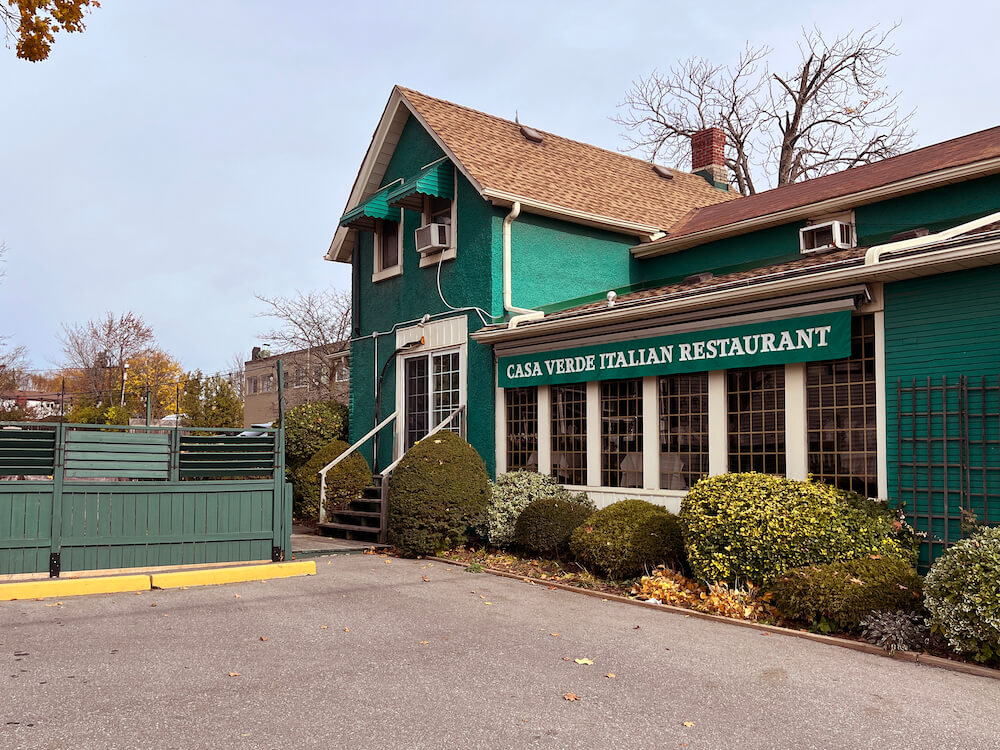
942,327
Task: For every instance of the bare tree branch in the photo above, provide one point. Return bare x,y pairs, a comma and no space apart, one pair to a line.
829,113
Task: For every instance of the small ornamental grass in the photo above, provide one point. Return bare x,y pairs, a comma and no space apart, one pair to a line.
754,527
437,493
962,594
509,496
546,525
839,595
896,631
627,538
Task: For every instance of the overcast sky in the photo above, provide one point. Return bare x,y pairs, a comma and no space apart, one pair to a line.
174,163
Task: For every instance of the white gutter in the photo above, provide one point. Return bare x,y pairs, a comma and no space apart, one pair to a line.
874,253
522,314
671,244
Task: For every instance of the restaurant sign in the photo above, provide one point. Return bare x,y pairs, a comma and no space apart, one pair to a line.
805,339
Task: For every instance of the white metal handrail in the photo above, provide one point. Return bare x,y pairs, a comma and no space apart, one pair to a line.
444,423
341,457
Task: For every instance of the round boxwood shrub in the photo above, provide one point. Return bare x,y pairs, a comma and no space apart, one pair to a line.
509,496
753,527
545,526
961,595
840,595
437,492
344,482
627,538
309,427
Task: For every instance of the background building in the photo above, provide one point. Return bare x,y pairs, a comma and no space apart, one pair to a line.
316,374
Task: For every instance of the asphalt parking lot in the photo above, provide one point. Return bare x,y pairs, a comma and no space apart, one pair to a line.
368,654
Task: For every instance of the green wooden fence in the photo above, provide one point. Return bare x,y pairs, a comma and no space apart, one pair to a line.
86,497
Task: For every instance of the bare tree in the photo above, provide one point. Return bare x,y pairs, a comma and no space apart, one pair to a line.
236,377
13,360
100,348
828,114
316,320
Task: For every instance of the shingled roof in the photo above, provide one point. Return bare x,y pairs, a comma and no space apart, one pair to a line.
557,176
562,172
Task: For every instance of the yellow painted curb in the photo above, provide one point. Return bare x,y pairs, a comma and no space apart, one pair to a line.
72,587
233,575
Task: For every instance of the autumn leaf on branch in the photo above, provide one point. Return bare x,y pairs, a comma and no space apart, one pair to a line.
34,23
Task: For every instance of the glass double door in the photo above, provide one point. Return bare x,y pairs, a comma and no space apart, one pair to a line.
432,390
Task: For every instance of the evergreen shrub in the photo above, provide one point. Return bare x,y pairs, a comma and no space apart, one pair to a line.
840,595
545,526
961,594
436,494
509,496
753,527
628,538
309,427
344,482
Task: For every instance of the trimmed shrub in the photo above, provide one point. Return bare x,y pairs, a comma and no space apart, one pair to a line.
839,595
509,496
895,631
437,492
754,527
309,427
545,526
627,538
961,595
344,482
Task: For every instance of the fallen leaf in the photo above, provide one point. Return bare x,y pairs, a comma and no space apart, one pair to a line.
425,579
153,604
611,675
481,596
583,661
552,588
234,674
237,596
636,627
566,658
388,562
347,630
487,602
166,615
263,638
689,723
323,627
571,697
554,634
424,643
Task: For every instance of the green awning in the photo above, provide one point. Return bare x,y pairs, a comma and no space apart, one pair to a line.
376,207
437,179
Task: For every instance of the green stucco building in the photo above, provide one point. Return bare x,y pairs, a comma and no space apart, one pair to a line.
630,328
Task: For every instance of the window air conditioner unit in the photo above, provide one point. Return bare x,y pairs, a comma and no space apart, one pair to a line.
432,237
830,235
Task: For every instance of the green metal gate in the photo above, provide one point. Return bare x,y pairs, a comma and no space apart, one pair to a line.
948,438
89,497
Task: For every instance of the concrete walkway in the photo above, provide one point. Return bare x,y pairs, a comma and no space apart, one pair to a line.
368,654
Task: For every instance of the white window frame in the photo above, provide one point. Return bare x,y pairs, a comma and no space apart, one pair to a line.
380,273
341,368
401,387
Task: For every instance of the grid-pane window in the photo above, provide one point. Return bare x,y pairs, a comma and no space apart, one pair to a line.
416,399
446,390
621,433
683,430
569,433
522,428
388,239
756,400
840,413
267,383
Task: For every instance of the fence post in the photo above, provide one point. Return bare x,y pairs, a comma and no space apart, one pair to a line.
58,469
174,474
279,511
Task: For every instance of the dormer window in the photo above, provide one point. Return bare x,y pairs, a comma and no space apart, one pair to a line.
388,249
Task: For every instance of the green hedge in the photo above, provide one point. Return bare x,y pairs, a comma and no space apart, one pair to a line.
840,595
309,427
628,538
344,482
753,527
437,492
509,496
962,593
546,525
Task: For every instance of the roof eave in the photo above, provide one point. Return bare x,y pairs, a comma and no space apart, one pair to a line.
960,173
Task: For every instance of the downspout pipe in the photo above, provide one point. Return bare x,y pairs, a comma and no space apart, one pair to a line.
520,313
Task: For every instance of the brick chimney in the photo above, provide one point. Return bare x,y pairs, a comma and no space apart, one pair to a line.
708,156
